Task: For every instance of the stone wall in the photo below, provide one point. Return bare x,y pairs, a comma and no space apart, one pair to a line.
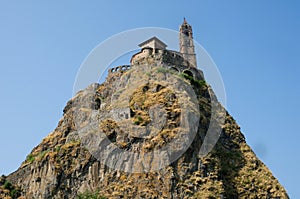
169,59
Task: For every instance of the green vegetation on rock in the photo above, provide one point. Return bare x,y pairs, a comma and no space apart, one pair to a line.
9,191
89,195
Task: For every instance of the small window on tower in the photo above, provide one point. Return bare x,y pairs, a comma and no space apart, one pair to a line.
186,33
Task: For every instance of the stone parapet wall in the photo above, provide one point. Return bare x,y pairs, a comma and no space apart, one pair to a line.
165,58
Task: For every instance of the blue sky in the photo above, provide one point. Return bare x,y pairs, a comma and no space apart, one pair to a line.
255,45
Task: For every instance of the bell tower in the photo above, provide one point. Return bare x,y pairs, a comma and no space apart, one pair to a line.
186,43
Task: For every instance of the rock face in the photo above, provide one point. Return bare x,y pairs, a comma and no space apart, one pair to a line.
138,112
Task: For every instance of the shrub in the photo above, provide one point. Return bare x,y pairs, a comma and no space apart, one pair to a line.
138,120
13,192
162,70
43,153
89,195
7,185
30,158
197,83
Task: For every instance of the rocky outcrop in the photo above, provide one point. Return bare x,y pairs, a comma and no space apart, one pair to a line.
107,128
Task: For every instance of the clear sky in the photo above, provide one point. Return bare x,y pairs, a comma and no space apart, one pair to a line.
255,45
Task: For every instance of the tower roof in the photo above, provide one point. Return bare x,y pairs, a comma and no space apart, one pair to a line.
185,25
154,43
